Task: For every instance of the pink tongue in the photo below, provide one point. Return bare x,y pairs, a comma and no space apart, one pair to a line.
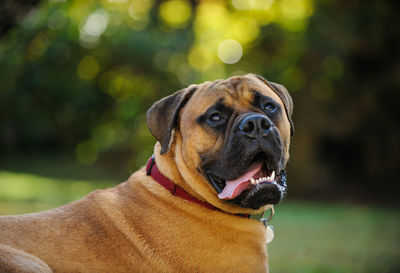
235,187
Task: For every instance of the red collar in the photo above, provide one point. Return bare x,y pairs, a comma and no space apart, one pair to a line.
153,171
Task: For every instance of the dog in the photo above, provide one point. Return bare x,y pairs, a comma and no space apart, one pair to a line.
220,156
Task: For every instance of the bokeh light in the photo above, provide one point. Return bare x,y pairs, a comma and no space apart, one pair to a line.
139,12
200,57
88,68
93,27
175,13
252,4
230,51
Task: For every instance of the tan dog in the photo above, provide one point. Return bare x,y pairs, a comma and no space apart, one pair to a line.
222,144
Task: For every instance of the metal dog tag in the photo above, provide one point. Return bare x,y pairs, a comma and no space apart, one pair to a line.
269,230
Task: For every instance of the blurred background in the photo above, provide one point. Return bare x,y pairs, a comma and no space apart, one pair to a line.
77,76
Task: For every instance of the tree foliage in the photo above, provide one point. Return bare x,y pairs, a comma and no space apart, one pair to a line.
79,75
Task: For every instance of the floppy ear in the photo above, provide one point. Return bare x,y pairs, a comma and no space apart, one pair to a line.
163,115
284,95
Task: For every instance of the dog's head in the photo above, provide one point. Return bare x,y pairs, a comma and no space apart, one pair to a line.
230,139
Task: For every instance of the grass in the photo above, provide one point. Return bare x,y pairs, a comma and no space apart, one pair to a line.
310,237
332,238
30,183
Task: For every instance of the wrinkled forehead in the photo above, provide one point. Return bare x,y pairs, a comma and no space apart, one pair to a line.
238,92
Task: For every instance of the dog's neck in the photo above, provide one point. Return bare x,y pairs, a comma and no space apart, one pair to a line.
174,189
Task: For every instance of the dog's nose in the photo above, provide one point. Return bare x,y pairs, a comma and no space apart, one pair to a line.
255,125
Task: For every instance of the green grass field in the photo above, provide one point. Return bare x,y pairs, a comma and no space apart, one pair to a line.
310,237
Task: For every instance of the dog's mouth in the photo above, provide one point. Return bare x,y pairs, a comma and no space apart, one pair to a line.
260,174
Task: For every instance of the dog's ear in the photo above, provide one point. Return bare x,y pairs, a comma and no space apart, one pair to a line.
163,115
284,95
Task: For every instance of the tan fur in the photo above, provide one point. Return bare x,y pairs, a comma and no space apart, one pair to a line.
138,226
16,261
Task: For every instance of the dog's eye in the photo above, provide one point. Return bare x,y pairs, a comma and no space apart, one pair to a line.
269,106
215,117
